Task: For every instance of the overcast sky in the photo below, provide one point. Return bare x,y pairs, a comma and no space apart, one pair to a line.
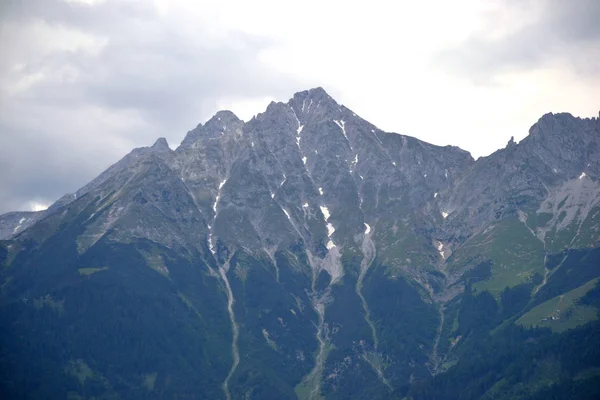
84,82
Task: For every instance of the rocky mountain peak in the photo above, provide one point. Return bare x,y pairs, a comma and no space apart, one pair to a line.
161,145
223,123
223,119
314,104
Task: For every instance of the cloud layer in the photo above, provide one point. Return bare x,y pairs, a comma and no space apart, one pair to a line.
84,81
83,84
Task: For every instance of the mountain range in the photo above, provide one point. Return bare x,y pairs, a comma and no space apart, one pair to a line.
308,254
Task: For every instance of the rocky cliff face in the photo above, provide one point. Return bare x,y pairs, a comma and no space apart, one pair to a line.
330,254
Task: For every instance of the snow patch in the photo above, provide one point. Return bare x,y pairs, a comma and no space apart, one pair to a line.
305,205
304,160
299,129
325,212
356,159
440,248
272,195
330,245
425,176
210,244
367,228
330,229
283,181
583,175
287,214
446,173
393,163
434,195
19,225
444,214
218,195
361,177
342,124
321,191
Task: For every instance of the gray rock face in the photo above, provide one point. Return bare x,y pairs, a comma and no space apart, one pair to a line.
278,175
559,147
13,223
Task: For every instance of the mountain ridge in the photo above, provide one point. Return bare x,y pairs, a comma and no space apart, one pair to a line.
282,224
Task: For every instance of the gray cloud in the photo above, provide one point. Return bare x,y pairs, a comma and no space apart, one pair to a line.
82,109
558,32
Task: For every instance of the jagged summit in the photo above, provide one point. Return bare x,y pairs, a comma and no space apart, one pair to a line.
224,122
161,144
223,118
313,101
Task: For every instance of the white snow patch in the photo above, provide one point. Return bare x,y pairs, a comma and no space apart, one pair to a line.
272,195
218,196
554,169
361,177
321,191
305,205
330,229
299,129
434,195
330,245
19,225
342,124
373,130
367,228
444,214
393,163
252,144
283,181
298,141
440,248
210,245
583,175
425,176
325,212
446,173
304,160
286,214
356,159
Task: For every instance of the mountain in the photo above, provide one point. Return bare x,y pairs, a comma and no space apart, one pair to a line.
308,254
